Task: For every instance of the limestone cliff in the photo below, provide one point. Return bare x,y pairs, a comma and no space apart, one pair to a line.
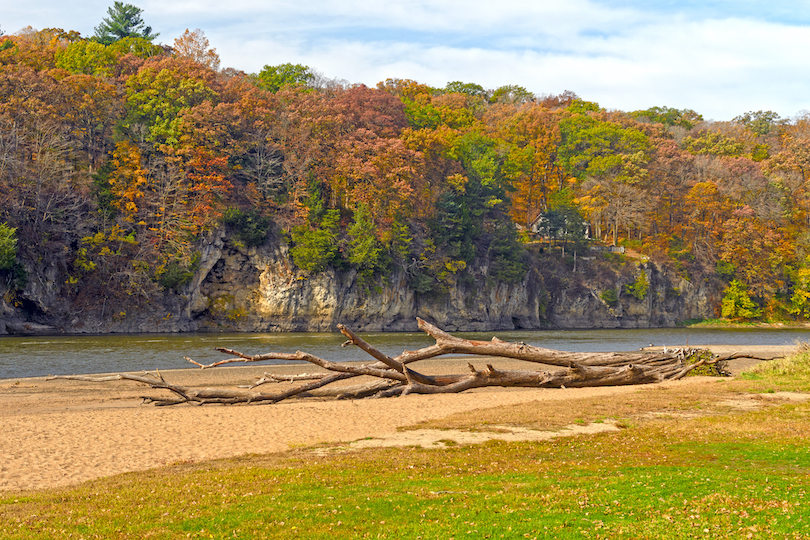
260,290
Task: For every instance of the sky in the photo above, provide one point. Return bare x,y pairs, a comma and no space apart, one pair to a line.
720,58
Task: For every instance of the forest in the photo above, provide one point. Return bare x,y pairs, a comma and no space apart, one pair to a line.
117,155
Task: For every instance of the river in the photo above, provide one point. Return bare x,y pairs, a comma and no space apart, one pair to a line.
66,355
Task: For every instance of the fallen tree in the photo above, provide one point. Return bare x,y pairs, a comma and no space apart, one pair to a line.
394,376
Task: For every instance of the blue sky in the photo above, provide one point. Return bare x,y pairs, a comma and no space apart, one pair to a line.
720,58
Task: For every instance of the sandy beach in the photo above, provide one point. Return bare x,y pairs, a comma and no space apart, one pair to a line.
61,432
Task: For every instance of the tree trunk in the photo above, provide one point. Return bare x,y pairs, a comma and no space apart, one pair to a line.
393,376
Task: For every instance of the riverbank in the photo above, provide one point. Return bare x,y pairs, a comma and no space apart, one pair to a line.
726,323
61,432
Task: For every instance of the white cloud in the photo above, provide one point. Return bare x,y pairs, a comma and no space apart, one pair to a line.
719,67
718,57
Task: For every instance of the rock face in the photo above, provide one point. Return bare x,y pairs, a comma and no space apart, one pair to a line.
670,300
260,290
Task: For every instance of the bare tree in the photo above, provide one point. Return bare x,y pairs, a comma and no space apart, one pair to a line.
394,376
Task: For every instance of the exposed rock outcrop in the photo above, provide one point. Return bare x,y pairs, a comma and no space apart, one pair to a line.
671,299
261,290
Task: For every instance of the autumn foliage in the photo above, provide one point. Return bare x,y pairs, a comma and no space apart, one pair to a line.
117,159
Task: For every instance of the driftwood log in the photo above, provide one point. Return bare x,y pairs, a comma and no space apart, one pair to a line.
393,376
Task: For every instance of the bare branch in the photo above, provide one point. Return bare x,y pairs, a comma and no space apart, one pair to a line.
244,358
359,342
395,377
269,378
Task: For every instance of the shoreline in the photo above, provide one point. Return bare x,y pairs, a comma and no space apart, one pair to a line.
44,331
721,323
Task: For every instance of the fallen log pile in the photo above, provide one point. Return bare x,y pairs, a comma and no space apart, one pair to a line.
394,377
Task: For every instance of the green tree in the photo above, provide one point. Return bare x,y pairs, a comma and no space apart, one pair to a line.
507,257
800,301
175,274
711,143
8,246
592,148
580,106
274,78
759,122
399,240
475,198
685,118
156,97
124,21
314,249
565,222
136,46
365,250
88,57
610,298
511,93
471,89
725,270
737,304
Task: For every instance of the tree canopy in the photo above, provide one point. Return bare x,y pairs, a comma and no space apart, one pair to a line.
117,156
274,78
124,21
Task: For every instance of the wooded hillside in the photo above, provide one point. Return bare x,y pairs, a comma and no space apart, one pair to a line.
117,157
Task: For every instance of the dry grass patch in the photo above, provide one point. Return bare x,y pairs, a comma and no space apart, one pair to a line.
796,367
691,397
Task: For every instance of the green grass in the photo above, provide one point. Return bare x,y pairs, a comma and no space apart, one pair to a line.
735,323
719,323
722,475
630,485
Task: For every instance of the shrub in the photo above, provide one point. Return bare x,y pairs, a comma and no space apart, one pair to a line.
640,287
715,369
610,298
250,227
175,274
725,270
423,283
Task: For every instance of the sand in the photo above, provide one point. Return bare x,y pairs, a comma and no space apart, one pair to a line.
58,433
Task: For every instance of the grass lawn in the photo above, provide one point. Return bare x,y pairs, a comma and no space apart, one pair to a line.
689,464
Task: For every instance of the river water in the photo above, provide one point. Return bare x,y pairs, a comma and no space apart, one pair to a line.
68,355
